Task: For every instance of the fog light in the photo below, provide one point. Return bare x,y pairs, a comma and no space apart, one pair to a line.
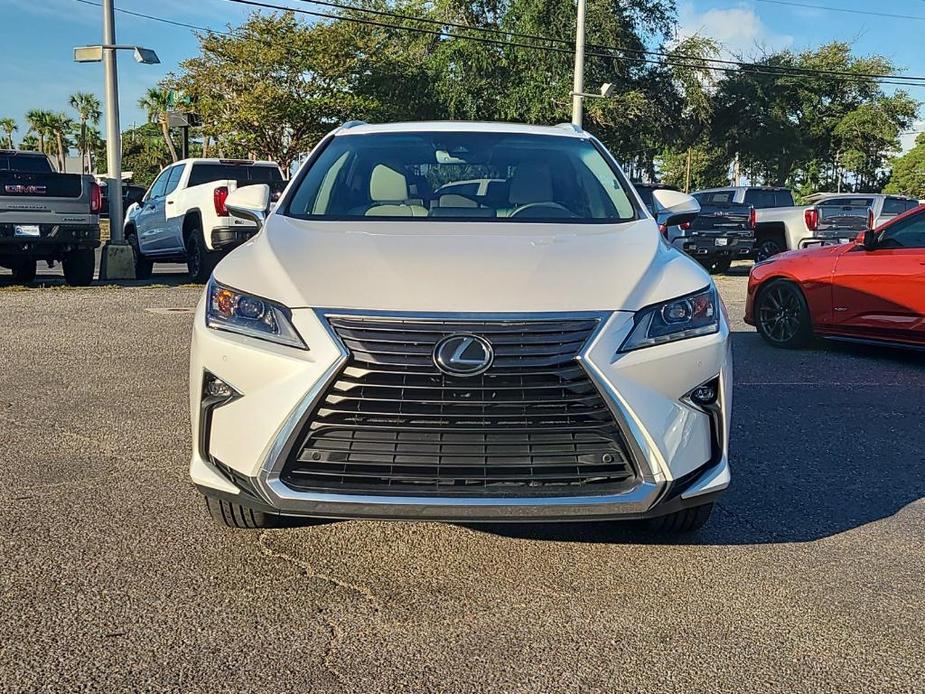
705,394
214,387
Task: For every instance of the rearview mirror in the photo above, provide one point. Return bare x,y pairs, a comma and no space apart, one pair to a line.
673,207
251,203
869,240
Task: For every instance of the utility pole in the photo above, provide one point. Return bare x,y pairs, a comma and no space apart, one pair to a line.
687,173
578,86
117,261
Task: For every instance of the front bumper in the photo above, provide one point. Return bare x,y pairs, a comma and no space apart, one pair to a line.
681,452
227,238
53,240
710,248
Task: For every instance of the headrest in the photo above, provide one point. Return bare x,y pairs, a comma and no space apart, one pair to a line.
531,183
387,185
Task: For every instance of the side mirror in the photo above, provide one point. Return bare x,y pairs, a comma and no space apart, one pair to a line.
250,202
869,240
674,208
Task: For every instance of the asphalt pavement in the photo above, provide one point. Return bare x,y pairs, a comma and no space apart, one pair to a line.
807,579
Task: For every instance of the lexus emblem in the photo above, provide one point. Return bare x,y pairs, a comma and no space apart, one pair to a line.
463,355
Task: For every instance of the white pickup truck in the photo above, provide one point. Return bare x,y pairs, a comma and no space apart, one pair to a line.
182,217
833,219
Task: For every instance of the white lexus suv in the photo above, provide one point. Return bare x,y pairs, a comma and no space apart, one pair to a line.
460,322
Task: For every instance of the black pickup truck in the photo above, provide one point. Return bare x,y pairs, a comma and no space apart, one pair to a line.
721,233
47,216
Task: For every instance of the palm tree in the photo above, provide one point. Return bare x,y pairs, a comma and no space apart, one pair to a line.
155,103
88,111
40,123
8,125
61,127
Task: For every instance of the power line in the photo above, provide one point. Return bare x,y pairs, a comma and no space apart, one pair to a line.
829,8
601,47
163,20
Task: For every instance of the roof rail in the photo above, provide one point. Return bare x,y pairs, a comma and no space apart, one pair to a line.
570,126
352,124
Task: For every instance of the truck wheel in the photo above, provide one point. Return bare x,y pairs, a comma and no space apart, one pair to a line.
684,521
782,315
200,262
143,266
768,247
720,266
238,516
79,267
24,271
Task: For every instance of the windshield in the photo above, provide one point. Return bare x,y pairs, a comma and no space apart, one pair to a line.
468,176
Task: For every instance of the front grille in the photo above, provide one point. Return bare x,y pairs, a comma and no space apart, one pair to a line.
393,423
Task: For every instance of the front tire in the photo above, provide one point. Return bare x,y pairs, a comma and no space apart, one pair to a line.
719,266
79,267
237,516
200,262
782,315
24,271
143,266
686,520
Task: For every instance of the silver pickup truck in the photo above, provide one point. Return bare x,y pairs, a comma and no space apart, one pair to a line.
835,218
45,215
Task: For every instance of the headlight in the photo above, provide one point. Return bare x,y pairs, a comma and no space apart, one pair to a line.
687,316
244,314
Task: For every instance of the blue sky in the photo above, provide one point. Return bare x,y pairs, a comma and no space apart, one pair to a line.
36,69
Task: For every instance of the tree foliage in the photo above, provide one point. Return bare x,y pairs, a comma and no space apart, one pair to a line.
909,172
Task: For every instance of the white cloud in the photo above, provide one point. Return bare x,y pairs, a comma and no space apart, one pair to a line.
739,30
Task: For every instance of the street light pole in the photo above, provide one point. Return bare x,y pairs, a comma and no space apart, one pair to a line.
578,85
113,131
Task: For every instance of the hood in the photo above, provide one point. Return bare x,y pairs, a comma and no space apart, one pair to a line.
460,266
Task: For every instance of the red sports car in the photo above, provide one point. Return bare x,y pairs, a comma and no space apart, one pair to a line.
872,289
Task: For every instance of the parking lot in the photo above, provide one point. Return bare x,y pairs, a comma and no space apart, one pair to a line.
809,577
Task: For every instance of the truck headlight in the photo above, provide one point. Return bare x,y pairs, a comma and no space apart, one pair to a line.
687,316
237,312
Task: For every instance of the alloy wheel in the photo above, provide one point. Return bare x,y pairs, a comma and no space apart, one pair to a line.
780,314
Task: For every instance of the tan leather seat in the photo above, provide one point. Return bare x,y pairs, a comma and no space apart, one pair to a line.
530,183
388,189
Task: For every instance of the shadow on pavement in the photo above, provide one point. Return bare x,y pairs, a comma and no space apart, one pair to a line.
820,454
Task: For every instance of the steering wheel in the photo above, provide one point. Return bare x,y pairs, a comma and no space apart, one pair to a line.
535,205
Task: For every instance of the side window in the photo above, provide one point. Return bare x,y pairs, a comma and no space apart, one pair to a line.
157,190
759,199
893,207
783,198
173,180
909,233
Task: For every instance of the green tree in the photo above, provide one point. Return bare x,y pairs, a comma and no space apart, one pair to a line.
60,127
41,125
908,175
275,86
154,102
144,153
803,129
8,126
87,107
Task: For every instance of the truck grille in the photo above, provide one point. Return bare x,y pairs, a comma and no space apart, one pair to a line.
393,423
